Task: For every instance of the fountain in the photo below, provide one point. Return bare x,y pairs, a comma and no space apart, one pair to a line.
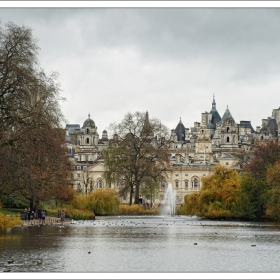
169,201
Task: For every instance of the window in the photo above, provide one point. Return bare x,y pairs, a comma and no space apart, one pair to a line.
186,174
79,187
78,167
124,197
186,184
227,129
227,163
177,185
99,184
78,175
86,157
87,131
87,140
177,175
195,184
227,139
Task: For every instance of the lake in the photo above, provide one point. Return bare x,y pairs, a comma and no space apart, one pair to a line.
160,244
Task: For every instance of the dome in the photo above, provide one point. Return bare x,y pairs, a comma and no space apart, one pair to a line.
89,122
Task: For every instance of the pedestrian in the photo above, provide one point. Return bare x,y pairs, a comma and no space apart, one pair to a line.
32,215
44,214
62,215
39,215
25,217
29,214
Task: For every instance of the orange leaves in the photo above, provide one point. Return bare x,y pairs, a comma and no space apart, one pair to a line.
218,197
273,174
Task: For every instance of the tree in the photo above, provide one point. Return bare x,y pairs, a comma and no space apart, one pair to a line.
150,188
138,151
273,178
33,160
218,197
264,155
254,192
259,193
86,181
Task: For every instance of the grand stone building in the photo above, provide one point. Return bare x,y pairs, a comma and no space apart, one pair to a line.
193,152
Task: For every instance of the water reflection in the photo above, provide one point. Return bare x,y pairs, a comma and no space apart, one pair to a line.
137,244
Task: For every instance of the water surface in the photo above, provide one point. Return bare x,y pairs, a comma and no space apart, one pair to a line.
143,244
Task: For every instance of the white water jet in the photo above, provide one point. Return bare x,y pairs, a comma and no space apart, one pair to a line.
169,201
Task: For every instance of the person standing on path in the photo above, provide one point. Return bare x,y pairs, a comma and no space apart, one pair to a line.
29,215
62,215
25,216
43,215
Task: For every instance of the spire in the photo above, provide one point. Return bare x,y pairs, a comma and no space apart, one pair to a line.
226,115
215,114
88,116
213,103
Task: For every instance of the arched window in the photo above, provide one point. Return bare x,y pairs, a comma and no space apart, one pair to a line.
177,185
99,184
227,139
87,140
195,184
87,131
227,129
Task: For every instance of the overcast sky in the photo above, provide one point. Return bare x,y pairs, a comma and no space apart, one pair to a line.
167,61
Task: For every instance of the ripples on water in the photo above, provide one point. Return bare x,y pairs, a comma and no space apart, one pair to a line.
137,244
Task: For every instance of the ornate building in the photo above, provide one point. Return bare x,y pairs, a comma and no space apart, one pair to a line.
193,152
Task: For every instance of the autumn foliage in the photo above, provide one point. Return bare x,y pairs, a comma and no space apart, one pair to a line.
100,201
33,162
219,196
252,193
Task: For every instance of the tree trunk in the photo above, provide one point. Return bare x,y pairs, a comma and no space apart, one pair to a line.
130,197
136,201
34,203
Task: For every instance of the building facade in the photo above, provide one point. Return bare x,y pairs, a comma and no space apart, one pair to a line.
193,152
